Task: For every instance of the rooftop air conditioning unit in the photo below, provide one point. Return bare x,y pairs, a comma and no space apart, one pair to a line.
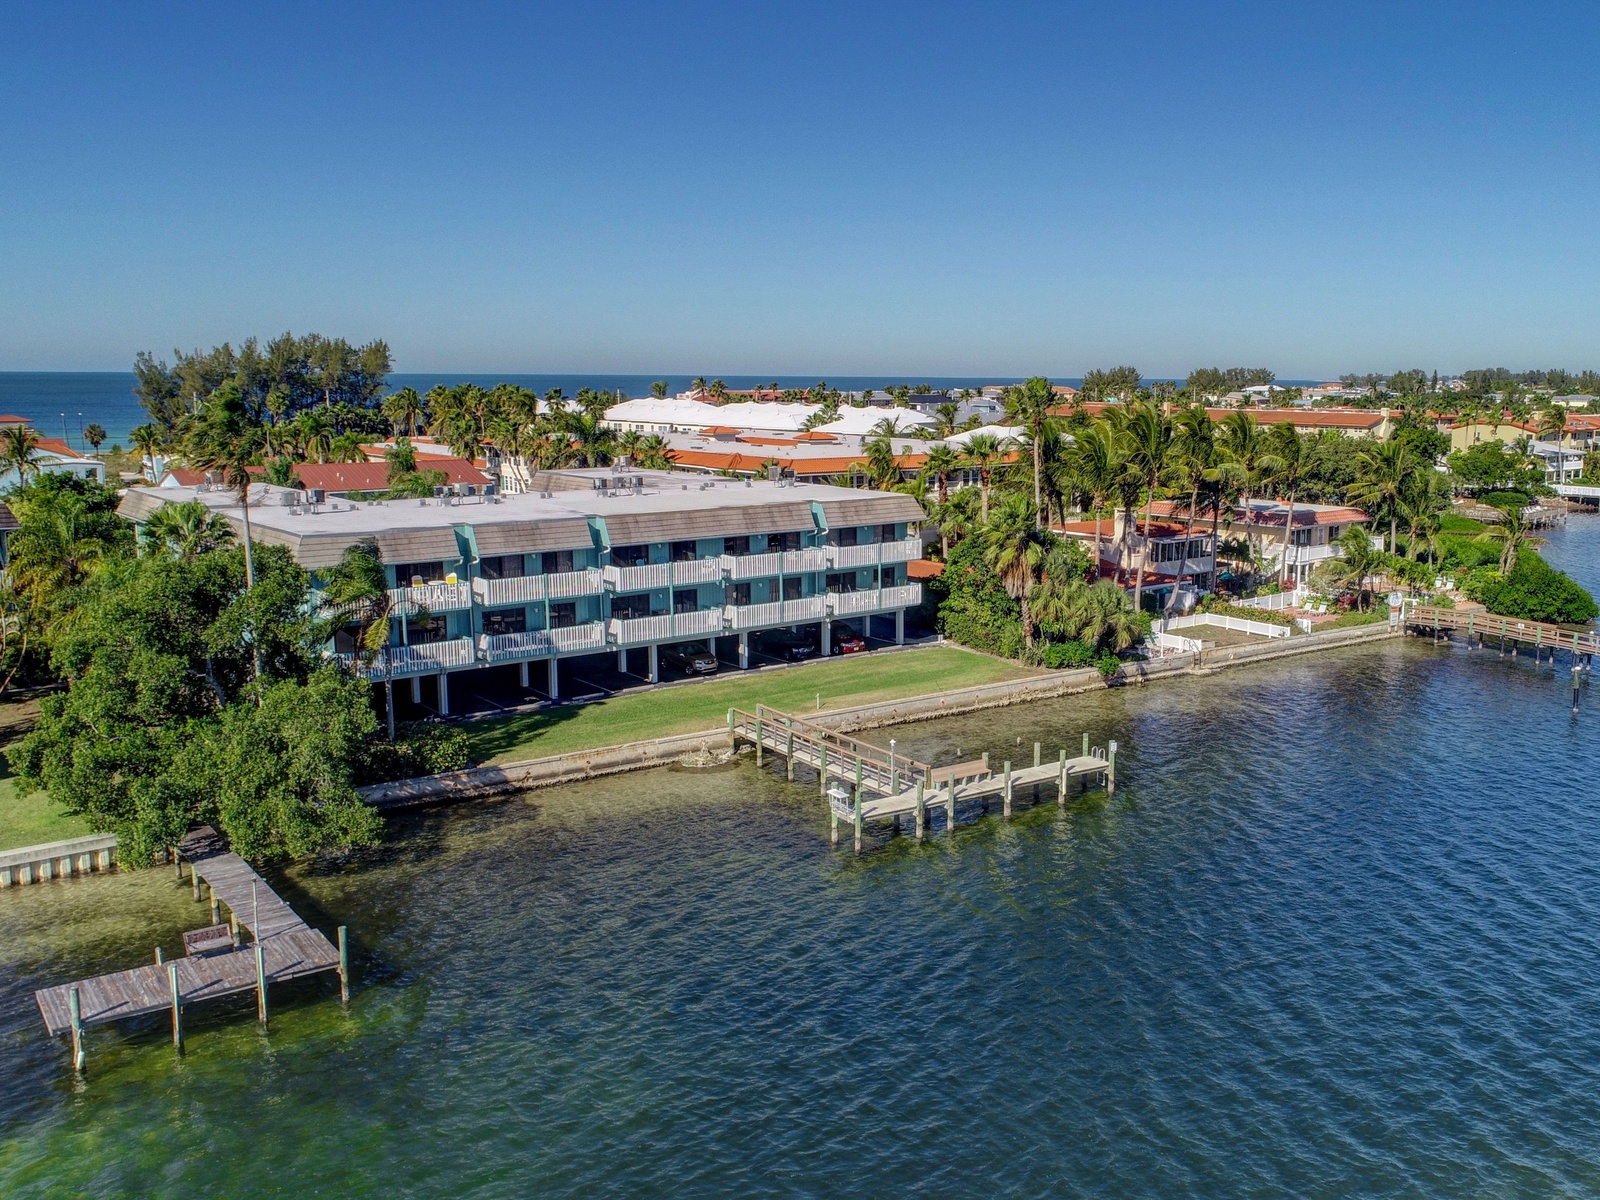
317,495
489,490
439,491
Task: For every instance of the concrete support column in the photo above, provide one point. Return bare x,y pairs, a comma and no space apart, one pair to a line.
744,652
522,672
899,627
416,689
827,632
655,663
444,693
622,660
555,678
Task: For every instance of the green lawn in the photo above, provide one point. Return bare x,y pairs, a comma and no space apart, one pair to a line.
32,819
842,682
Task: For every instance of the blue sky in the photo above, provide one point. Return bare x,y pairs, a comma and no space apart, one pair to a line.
932,189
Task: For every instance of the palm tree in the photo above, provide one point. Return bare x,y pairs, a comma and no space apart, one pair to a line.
944,419
984,452
184,531
1426,496
653,453
1147,437
1104,617
1059,595
406,411
19,446
347,448
1246,446
146,440
1030,405
224,439
1198,464
939,464
718,391
1290,461
658,389
356,593
315,433
591,440
55,552
1553,424
1383,473
94,434
883,464
1096,464
1016,553
1512,534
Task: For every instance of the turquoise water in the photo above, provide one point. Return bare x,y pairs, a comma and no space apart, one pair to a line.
1335,935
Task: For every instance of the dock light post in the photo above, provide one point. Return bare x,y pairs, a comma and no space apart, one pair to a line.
892,777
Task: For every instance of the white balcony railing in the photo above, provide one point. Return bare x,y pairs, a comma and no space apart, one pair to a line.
753,566
591,635
638,579
513,647
424,659
697,570
901,550
435,597
1309,554
526,589
798,562
777,612
664,627
875,600
853,556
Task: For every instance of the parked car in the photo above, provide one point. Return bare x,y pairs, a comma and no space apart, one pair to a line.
692,659
792,644
847,641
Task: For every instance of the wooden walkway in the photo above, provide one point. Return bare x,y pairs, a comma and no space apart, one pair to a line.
1478,624
863,782
288,948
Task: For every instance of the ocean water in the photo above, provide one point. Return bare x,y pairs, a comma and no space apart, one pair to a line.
1335,935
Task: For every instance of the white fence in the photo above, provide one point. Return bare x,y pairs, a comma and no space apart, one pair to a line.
1274,603
1237,624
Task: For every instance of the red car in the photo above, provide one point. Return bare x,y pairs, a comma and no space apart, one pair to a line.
846,641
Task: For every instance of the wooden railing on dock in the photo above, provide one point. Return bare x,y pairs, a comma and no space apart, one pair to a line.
863,782
282,947
1477,623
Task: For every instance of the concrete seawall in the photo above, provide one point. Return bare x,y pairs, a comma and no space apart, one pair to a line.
634,756
56,860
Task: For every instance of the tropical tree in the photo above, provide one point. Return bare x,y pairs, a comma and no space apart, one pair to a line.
355,596
983,453
1103,616
184,531
406,410
19,446
1148,444
883,464
939,464
658,389
1029,404
224,439
94,434
146,440
592,442
1198,465
1553,425
944,419
55,552
1096,464
1245,444
1384,472
1513,535
1016,551
1290,461
315,434
653,453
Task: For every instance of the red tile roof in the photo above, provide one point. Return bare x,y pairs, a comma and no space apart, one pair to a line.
374,476
924,568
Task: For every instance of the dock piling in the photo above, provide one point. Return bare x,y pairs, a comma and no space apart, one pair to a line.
858,820
158,956
1006,803
822,771
760,750
1111,767
1061,780
1036,759
344,966
788,756
261,987
195,880
922,813
1086,744
216,913
177,1007
833,816
950,807
77,1030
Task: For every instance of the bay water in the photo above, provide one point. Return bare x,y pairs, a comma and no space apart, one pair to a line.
1335,935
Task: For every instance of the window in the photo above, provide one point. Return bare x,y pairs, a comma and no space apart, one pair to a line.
784,541
791,587
1333,533
421,632
686,600
684,551
736,545
500,621
1301,537
408,573
886,533
554,562
630,607
844,581
501,566
630,556
848,536
564,615
738,593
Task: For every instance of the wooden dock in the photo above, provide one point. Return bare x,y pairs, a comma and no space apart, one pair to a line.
281,947
1506,632
863,782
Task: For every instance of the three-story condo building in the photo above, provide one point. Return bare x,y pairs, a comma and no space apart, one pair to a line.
592,563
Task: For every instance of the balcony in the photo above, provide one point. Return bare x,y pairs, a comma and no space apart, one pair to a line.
425,659
574,638
798,562
1307,554
777,612
752,566
527,589
664,627
514,647
898,551
844,604
661,575
435,597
